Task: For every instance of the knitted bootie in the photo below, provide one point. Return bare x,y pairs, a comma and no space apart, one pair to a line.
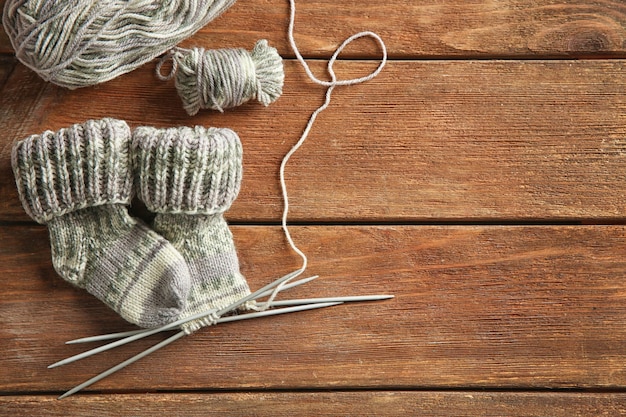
78,181
190,177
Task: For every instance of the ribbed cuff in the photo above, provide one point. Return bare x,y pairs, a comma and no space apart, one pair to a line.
81,166
187,170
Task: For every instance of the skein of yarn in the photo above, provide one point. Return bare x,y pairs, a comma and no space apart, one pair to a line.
219,79
78,43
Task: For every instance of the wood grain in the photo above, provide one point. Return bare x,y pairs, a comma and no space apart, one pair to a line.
433,140
426,28
7,63
481,116
475,307
288,404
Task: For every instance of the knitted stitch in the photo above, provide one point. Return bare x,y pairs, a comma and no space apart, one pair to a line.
190,177
78,181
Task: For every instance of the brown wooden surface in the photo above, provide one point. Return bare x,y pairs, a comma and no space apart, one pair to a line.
287,404
426,28
480,178
530,140
481,306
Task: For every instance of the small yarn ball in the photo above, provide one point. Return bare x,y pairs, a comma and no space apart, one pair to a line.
78,43
219,79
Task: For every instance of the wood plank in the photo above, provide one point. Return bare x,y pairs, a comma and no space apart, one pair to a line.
476,307
426,28
372,403
433,140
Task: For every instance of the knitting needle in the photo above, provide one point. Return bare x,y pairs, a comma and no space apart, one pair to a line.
177,323
293,309
307,302
347,299
227,319
275,303
134,332
108,346
178,336
122,365
103,337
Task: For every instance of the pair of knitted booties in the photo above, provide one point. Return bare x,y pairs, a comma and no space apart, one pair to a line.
80,180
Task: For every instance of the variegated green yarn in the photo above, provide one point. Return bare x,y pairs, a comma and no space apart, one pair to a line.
220,79
190,177
78,181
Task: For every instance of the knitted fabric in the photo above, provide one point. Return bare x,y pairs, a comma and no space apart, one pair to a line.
78,182
190,177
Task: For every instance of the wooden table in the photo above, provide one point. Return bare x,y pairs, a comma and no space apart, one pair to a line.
480,178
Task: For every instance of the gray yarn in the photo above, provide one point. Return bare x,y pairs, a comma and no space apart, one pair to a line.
78,43
190,177
78,181
219,79
84,165
187,170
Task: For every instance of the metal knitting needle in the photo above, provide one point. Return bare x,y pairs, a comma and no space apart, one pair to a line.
140,331
275,303
293,309
122,365
347,299
178,336
227,319
175,324
103,337
103,348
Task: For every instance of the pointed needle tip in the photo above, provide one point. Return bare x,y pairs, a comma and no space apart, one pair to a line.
67,394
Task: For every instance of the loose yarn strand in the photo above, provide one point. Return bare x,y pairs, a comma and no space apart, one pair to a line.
331,86
331,62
